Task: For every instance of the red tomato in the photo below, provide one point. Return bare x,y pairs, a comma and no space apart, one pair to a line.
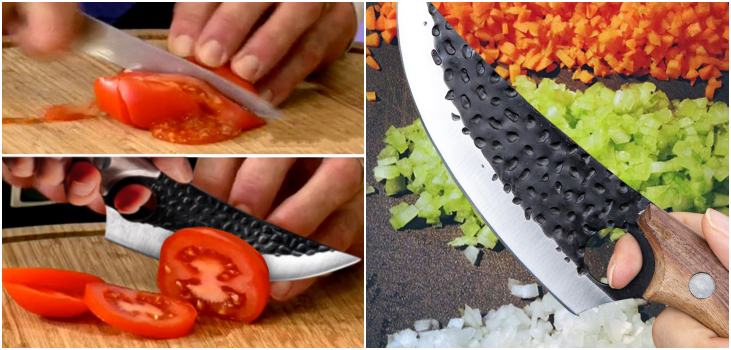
147,314
175,108
216,271
48,292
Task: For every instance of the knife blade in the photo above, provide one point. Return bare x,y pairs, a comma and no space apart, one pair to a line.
177,206
540,192
101,40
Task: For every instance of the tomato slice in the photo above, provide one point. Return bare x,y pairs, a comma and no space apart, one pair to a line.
176,108
219,273
48,292
147,314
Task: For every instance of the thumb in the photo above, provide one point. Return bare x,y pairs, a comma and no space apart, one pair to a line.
715,230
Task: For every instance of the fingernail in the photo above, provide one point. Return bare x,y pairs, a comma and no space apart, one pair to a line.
266,95
243,208
81,189
211,54
246,67
280,290
718,221
182,45
610,271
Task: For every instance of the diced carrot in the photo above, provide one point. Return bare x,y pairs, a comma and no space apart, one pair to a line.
371,62
514,71
381,22
370,18
388,35
673,69
586,77
373,40
368,52
502,71
713,84
370,96
390,24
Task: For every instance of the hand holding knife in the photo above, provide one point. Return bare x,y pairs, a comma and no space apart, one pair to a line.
540,192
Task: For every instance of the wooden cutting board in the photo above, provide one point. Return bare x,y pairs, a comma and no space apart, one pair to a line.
330,314
323,116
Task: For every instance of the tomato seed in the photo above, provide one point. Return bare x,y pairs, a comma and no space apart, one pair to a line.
167,269
199,304
179,284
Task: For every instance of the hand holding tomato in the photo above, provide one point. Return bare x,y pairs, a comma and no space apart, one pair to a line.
274,45
62,181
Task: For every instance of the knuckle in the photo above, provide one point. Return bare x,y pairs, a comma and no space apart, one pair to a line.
312,55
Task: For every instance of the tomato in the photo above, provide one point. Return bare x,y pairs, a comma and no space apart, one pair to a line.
147,314
175,108
216,271
48,292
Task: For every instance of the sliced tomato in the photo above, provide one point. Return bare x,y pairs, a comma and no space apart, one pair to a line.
147,314
173,107
48,292
219,273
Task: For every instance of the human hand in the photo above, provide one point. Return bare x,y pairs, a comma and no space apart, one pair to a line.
40,27
673,328
77,183
273,45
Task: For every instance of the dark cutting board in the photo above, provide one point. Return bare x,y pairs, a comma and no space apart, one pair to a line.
414,274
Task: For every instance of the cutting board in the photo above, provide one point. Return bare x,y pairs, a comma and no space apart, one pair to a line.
324,115
330,314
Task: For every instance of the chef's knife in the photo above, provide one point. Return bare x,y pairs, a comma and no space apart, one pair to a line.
540,192
106,42
177,206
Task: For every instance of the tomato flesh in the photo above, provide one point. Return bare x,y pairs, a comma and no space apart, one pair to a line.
147,314
217,272
175,108
48,292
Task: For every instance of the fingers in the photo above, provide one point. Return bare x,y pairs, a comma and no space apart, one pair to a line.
47,26
715,229
225,31
22,182
82,185
21,167
257,183
625,263
271,42
692,220
343,227
216,175
323,43
177,169
285,290
52,171
675,329
131,198
189,19
334,183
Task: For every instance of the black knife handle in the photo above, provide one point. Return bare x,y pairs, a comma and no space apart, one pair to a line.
181,206
556,182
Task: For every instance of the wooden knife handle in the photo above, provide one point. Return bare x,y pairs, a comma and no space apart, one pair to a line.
680,253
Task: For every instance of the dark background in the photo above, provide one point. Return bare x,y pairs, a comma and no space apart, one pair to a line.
413,274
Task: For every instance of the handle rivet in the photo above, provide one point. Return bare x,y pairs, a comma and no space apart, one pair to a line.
701,285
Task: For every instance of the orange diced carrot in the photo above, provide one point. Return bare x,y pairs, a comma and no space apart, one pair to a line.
586,77
502,71
371,62
388,35
370,96
373,40
370,18
514,71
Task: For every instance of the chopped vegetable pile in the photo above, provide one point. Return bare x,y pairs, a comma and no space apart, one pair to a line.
616,324
665,40
673,152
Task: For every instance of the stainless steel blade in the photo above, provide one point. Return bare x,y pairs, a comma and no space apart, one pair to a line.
473,173
148,239
104,41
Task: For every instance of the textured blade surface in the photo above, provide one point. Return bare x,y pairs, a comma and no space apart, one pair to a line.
104,41
551,197
288,255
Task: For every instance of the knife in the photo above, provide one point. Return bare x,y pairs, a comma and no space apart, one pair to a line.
177,206
101,40
541,193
